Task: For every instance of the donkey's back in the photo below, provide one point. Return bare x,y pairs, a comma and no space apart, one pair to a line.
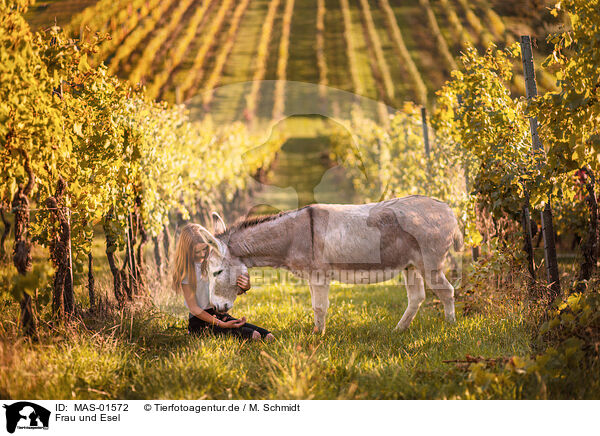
391,234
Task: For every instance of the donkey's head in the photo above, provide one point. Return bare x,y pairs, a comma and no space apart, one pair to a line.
223,268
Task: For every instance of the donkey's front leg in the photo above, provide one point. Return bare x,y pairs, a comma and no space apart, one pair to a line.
319,294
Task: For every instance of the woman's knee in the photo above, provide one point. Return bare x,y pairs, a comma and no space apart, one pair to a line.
256,335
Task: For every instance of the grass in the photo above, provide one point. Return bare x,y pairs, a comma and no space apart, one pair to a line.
144,351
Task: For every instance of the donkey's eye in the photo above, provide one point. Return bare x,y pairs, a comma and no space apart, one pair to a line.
216,273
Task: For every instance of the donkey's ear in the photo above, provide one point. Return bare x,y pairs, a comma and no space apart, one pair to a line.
209,239
218,223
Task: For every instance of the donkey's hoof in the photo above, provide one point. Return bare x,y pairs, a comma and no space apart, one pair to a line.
400,328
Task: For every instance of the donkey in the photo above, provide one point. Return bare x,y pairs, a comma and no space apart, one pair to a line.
365,243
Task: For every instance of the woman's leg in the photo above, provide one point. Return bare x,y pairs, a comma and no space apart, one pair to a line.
259,332
196,325
263,332
250,331
247,331
243,332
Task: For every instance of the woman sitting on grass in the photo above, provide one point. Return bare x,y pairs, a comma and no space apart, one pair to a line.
189,275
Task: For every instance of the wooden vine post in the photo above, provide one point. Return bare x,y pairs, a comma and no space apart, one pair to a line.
474,250
91,282
547,225
425,130
528,246
69,291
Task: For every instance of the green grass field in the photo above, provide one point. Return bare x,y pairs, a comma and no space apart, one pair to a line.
145,352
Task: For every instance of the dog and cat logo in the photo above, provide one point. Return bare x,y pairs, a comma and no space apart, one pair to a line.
26,415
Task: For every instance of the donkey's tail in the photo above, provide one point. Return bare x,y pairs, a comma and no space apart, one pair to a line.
457,239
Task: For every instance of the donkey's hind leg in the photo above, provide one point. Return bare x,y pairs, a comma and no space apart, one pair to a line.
415,289
439,284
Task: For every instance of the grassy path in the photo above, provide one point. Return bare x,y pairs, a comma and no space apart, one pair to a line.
229,101
142,71
335,48
420,44
182,69
361,51
302,64
282,61
147,354
379,64
408,78
264,107
172,57
214,79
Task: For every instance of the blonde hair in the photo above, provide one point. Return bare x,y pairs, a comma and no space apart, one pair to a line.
183,266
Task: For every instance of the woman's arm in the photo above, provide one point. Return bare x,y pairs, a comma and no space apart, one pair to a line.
198,312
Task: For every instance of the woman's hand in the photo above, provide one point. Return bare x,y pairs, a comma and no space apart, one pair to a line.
243,282
233,323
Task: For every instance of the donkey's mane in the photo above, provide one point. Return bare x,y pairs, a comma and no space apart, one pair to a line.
244,223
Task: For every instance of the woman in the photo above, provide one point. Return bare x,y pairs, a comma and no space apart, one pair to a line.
189,275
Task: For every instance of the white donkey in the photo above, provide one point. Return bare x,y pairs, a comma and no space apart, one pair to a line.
366,243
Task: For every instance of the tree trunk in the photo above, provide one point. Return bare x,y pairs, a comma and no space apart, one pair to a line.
127,275
69,294
59,253
111,249
22,247
475,253
91,282
166,243
140,255
179,223
589,247
27,318
5,232
128,269
157,256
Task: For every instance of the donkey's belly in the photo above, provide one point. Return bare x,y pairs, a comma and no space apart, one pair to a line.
364,276
351,274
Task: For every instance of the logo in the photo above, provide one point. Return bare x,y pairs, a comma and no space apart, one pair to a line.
26,415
